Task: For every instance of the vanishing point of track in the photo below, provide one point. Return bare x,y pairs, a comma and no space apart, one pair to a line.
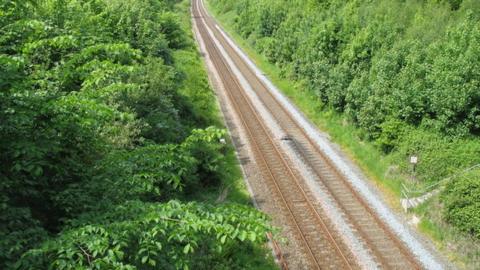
319,241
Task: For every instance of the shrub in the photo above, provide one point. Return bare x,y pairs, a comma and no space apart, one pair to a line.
462,203
97,132
412,61
140,235
439,157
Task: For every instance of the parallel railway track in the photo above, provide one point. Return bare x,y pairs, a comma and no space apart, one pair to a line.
320,241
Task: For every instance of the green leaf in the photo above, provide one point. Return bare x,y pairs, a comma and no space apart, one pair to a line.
252,236
223,239
186,249
243,236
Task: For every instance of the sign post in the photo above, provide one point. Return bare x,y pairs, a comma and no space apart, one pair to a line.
414,162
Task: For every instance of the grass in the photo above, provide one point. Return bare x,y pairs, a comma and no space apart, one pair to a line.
380,168
461,249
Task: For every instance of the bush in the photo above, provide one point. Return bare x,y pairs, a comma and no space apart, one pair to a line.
439,157
412,61
140,235
98,131
392,131
462,203
151,173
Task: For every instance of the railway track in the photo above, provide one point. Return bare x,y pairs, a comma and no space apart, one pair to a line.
320,242
322,248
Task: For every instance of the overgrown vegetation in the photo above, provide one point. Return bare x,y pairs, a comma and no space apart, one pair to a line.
405,73
105,135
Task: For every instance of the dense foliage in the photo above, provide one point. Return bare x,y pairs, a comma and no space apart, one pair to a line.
463,203
104,116
407,73
139,235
